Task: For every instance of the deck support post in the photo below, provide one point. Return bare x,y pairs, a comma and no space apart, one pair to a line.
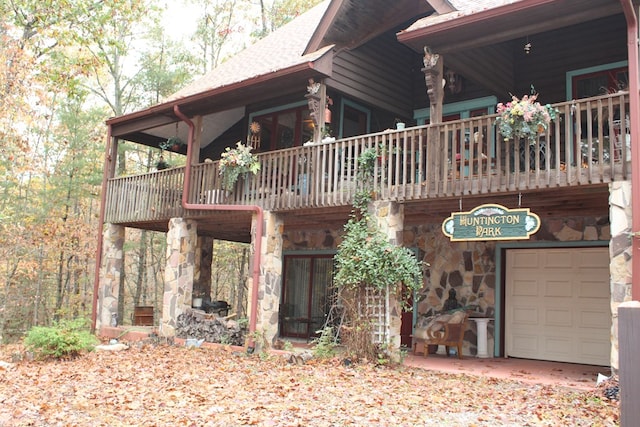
271,270
110,276
182,241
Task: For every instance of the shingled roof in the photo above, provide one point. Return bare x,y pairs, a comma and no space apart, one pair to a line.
279,50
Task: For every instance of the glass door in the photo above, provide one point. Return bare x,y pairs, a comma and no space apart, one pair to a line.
305,294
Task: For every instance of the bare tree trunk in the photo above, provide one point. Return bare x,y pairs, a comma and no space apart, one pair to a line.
241,284
36,299
142,270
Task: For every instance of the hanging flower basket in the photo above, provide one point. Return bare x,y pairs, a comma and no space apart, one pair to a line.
236,162
524,118
174,143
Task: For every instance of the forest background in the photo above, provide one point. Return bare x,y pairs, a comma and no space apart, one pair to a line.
66,66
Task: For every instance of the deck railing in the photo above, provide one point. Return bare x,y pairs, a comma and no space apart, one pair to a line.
589,143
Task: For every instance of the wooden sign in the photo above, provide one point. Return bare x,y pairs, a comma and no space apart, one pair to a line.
491,222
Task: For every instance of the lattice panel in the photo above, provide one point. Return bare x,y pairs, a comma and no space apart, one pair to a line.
376,311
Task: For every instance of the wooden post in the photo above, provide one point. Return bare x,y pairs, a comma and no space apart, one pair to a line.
197,140
317,99
629,360
433,75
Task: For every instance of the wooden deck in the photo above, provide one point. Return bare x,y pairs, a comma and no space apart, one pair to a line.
431,169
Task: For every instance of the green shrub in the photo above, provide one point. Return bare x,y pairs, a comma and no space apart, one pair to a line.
325,345
64,339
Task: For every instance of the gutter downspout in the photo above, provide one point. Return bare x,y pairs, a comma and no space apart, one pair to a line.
634,112
255,208
108,158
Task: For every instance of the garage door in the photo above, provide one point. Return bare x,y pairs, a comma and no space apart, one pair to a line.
557,304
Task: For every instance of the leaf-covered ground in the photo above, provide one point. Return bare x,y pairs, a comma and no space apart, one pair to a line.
177,386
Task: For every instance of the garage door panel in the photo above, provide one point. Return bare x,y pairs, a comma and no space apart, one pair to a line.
523,343
591,289
557,305
559,317
591,319
558,260
558,346
595,350
525,288
526,259
526,315
592,258
558,288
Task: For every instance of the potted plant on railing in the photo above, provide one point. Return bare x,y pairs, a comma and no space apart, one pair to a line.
235,163
524,118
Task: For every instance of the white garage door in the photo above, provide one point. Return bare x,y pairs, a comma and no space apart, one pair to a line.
558,305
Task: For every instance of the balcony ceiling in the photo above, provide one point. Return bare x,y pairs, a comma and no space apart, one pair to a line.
476,42
443,34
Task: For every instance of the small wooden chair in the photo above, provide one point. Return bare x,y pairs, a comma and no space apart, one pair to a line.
442,331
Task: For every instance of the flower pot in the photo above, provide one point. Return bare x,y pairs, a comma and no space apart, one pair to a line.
400,126
196,302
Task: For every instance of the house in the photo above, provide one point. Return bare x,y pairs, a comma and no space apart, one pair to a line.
440,68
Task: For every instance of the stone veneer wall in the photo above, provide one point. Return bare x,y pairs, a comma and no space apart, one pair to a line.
182,242
110,274
470,268
620,253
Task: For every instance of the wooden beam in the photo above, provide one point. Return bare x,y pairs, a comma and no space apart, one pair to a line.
441,6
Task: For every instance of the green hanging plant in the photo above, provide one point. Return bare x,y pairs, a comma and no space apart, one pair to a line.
173,143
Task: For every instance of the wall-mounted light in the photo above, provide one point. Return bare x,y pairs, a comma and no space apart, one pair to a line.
527,46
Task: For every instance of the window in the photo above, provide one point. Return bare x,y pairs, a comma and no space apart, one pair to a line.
460,110
284,129
354,121
600,83
595,81
598,80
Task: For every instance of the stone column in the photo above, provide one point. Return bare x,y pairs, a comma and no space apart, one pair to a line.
182,241
270,286
110,275
620,256
390,220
